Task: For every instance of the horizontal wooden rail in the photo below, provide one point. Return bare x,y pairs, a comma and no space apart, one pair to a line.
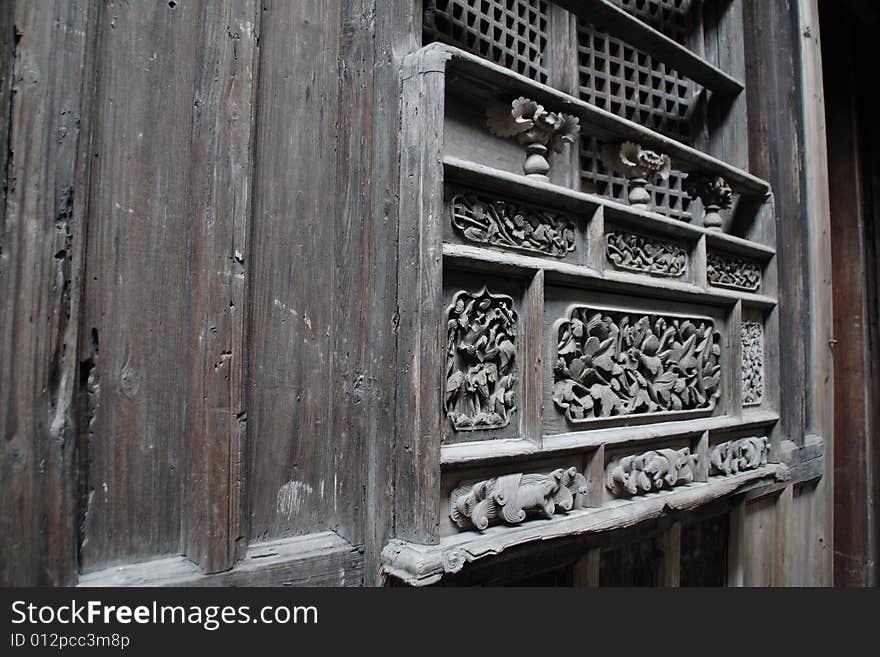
618,23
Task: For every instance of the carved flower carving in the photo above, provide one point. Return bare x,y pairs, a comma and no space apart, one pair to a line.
621,364
531,123
632,161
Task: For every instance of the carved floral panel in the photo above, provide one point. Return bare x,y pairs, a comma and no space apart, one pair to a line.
645,255
510,498
615,363
733,272
512,225
752,363
650,471
480,361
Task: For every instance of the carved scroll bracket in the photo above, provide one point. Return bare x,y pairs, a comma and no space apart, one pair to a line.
638,165
715,194
510,498
651,471
740,455
535,128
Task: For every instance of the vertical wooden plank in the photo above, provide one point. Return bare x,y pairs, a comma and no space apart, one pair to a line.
702,451
563,75
820,383
783,545
45,54
420,332
137,303
398,31
736,549
595,476
669,567
586,569
219,202
532,369
304,457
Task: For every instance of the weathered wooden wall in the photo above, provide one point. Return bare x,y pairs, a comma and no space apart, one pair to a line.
198,279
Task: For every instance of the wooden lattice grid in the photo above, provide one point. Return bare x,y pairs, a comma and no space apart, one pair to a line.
512,33
630,83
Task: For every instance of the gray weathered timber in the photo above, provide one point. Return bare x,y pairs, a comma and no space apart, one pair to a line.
308,371
420,355
46,111
219,195
137,302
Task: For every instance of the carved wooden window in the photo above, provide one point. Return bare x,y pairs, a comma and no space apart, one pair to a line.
589,277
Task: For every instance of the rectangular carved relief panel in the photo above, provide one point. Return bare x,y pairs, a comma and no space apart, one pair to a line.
645,255
616,363
752,363
480,361
511,225
732,272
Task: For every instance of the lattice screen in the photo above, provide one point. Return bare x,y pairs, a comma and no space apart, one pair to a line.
513,33
630,83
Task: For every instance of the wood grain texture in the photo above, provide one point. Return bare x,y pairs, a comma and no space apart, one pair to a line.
45,108
134,337
219,198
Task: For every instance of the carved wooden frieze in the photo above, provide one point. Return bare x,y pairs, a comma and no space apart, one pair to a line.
740,455
650,471
645,255
480,361
510,498
752,363
512,225
733,272
536,128
612,363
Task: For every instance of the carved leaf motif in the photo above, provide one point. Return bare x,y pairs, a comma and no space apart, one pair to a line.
480,361
617,363
513,226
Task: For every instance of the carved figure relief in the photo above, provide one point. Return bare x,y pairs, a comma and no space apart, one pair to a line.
510,498
651,471
733,272
715,194
738,455
611,363
535,128
638,165
645,255
510,225
752,363
480,361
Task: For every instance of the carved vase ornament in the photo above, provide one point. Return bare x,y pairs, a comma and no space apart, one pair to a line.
510,498
638,165
651,471
617,363
536,129
715,194
480,361
740,455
